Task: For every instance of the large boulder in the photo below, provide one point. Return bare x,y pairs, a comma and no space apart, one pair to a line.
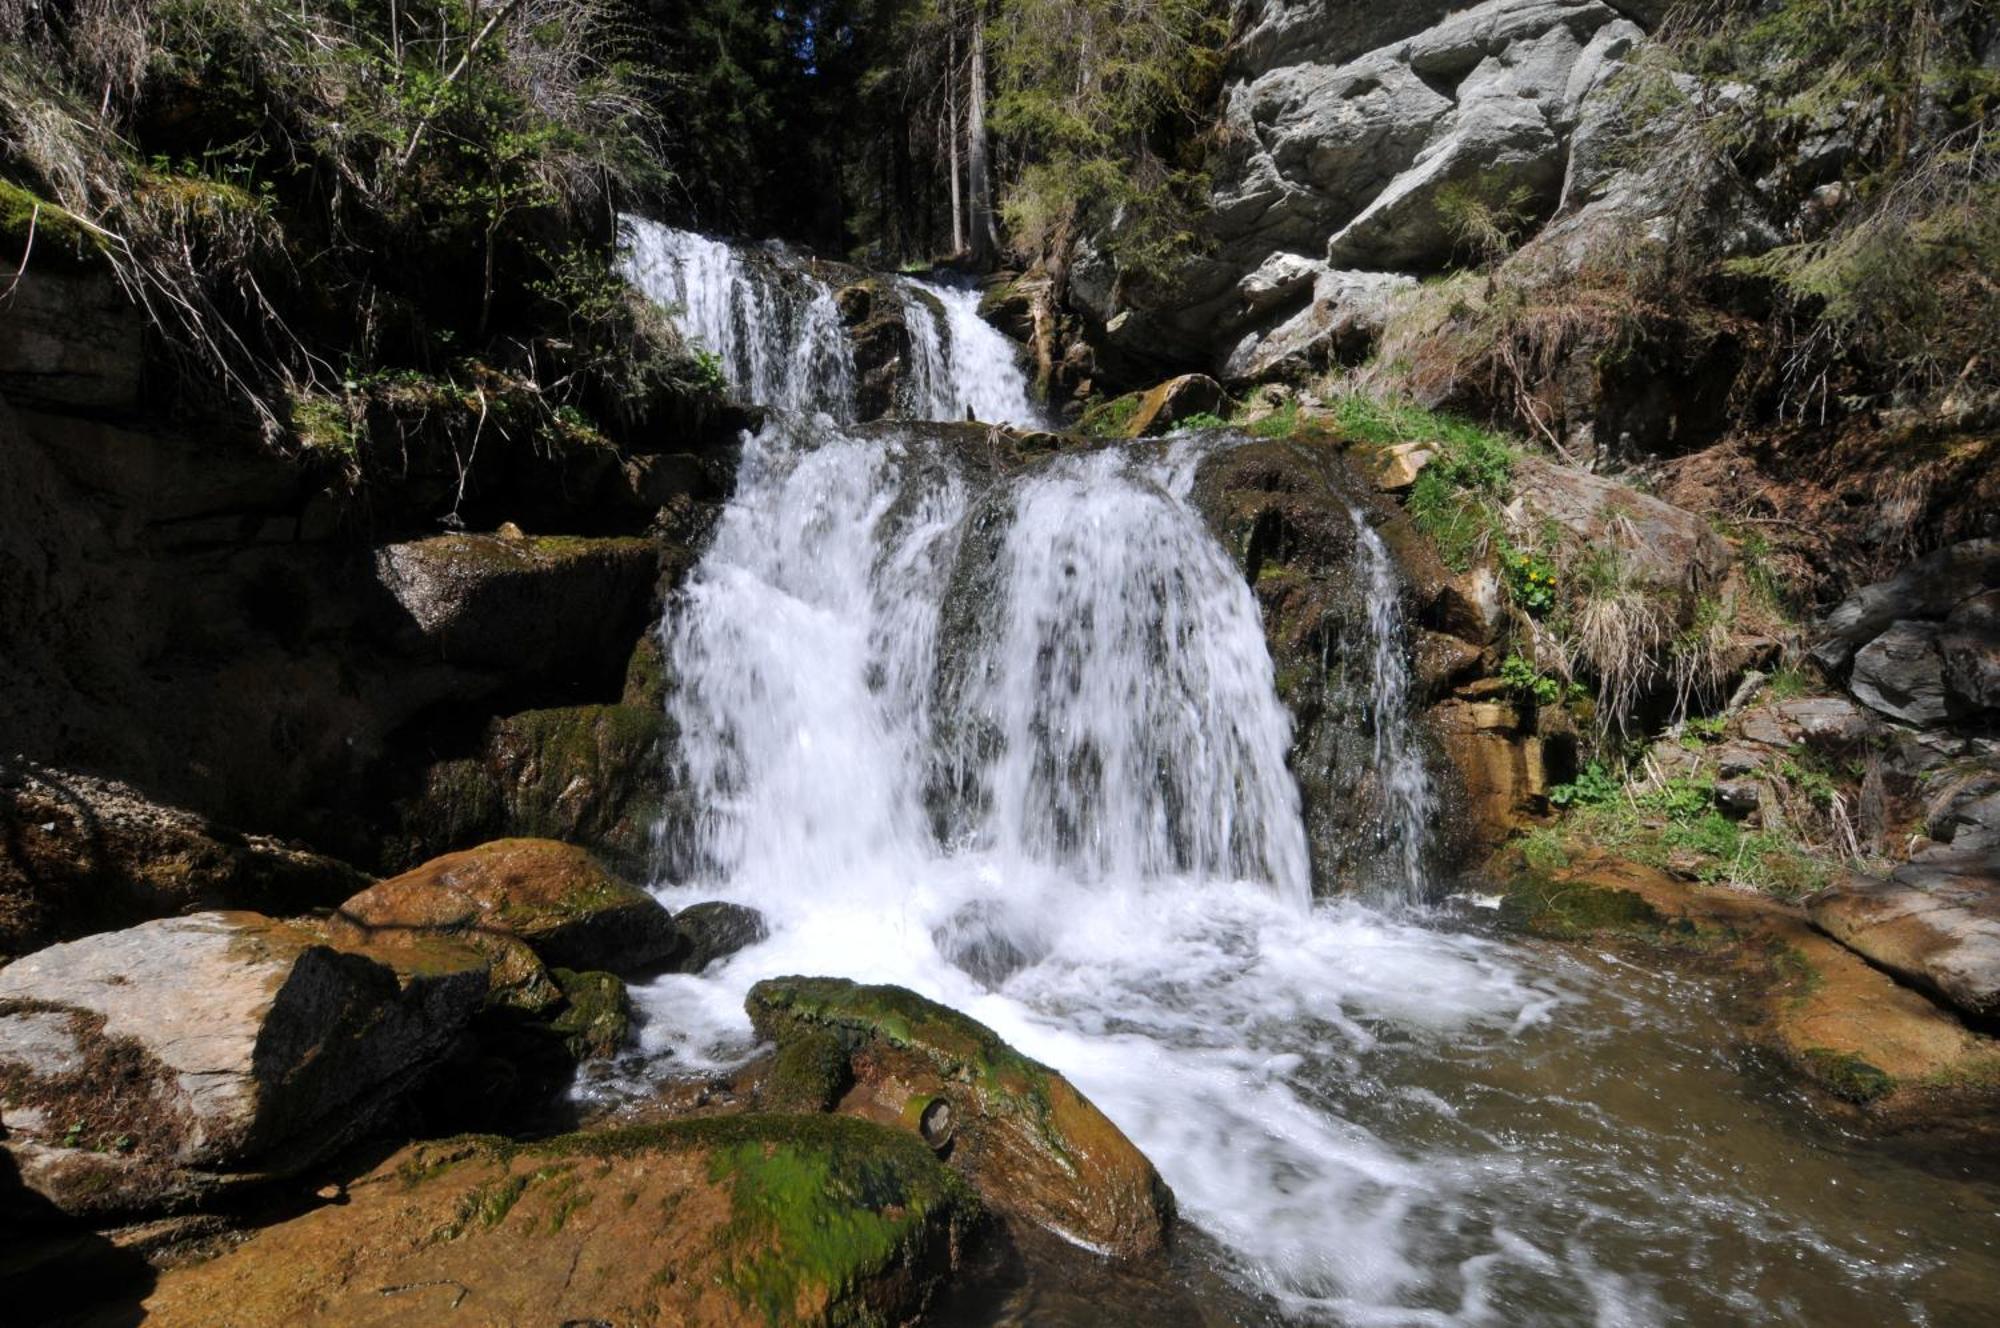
147,1066
1934,924
1901,674
592,775
1660,546
1031,1144
557,899
80,854
757,1222
550,608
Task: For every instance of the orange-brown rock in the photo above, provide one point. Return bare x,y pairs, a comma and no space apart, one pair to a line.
765,1221
1033,1146
558,900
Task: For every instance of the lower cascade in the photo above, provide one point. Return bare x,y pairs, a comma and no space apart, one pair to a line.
1010,739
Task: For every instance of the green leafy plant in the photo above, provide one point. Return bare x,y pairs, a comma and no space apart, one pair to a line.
1531,580
1594,786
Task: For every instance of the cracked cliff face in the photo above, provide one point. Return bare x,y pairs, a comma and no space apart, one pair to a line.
1349,133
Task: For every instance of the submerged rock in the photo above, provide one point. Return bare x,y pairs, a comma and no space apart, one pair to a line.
145,1066
558,900
764,1221
1030,1143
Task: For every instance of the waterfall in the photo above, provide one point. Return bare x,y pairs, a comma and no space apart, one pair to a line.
1063,682
774,325
1407,803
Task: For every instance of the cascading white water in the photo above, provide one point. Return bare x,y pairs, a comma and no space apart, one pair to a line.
961,367
776,331
1011,741
774,325
1406,798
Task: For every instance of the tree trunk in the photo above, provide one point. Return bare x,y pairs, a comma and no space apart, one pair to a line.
951,138
985,245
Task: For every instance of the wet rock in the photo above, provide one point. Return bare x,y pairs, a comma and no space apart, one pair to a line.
1500,774
1934,924
549,607
163,1058
1928,589
596,1019
80,854
1031,1145
1443,661
557,899
716,930
751,1222
1901,674
588,775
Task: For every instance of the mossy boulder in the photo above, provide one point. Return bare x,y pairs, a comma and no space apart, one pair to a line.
596,1018
765,1221
1154,411
557,899
1033,1146
551,609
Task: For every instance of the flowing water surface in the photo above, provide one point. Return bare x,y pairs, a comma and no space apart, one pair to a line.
1011,740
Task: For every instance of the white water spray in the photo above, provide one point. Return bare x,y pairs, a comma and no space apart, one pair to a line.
1407,804
772,322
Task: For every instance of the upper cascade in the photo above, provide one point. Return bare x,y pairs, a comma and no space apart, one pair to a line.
778,329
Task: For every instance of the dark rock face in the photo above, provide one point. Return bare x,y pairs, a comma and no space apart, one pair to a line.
716,930
80,854
143,1067
259,639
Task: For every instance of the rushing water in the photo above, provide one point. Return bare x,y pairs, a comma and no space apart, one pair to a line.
1407,802
773,324
1011,740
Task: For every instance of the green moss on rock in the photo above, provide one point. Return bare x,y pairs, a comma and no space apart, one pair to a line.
1568,910
1847,1076
597,1018
809,1073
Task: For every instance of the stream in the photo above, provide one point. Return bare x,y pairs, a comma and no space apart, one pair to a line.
1010,739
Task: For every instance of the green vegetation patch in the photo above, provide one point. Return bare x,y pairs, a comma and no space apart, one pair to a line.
1847,1076
1539,904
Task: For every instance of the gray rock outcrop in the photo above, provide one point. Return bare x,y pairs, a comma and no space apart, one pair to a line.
141,1068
